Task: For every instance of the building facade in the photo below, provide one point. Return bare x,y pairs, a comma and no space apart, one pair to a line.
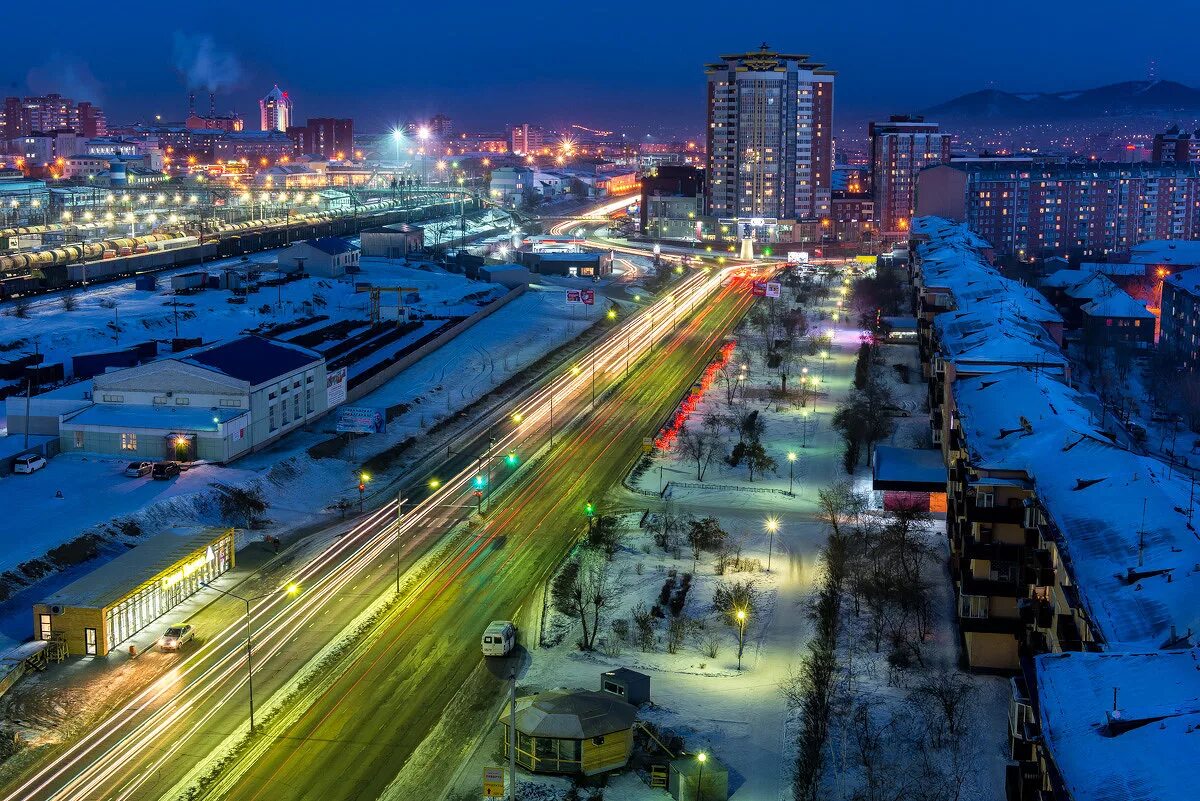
901,148
1036,209
770,140
324,136
1176,147
215,403
275,110
526,139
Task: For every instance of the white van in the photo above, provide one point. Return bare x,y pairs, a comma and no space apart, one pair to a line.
499,638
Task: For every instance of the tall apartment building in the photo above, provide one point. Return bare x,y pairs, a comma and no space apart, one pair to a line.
1034,208
22,116
770,140
527,138
324,136
275,110
901,148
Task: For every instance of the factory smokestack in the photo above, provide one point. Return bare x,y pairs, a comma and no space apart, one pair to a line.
191,104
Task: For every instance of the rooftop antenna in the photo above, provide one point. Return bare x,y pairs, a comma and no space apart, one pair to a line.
191,103
212,104
1153,70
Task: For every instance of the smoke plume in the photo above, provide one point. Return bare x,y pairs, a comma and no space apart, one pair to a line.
203,64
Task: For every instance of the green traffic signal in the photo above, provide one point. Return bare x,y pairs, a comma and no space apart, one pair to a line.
511,459
480,481
589,509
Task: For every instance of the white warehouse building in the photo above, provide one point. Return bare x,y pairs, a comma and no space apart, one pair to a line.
214,403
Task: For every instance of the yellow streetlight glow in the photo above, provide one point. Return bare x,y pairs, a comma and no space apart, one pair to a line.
365,477
612,314
791,456
434,483
292,589
701,757
772,523
517,418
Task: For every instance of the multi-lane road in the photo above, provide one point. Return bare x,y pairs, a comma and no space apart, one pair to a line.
391,710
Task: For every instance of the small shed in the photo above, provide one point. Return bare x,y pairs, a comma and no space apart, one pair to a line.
694,779
628,685
580,732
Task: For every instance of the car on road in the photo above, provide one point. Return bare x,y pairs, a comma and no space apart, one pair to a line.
499,638
139,469
175,637
163,471
29,463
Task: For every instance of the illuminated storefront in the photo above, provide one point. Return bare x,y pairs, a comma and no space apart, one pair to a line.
98,612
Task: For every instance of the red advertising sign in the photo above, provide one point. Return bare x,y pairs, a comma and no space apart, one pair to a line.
589,296
759,289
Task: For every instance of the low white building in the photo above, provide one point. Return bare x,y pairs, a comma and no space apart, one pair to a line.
327,257
509,185
214,403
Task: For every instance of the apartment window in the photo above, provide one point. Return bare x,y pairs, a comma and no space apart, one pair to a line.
44,632
308,401
159,400
271,418
973,606
129,442
183,401
237,404
78,439
89,642
985,500
113,398
296,407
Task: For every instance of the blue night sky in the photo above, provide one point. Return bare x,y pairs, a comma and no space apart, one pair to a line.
486,63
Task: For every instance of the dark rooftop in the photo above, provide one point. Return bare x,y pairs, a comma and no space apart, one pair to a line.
253,359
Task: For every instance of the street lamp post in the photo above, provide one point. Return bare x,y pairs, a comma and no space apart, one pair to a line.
363,478
741,620
291,589
772,526
701,758
791,457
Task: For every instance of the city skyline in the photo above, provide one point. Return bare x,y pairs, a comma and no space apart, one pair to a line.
651,76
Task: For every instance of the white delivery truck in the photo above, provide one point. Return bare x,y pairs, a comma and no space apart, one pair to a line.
499,638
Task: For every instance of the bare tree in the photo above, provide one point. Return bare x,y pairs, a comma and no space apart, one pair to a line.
700,446
582,590
948,694
838,503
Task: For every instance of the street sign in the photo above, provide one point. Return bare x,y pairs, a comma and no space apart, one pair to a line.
574,296
773,289
759,289
493,782
361,420
588,295
647,444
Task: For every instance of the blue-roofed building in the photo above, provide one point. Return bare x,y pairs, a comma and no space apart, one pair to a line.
327,257
213,403
591,264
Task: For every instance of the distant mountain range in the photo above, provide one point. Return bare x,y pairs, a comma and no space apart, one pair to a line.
1127,99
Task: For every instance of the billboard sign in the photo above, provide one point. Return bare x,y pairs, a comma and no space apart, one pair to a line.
588,295
361,420
773,289
335,387
574,296
797,256
759,289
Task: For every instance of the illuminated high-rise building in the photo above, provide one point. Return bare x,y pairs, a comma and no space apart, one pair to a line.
770,141
901,148
275,110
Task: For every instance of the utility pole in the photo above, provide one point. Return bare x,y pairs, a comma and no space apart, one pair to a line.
512,737
29,389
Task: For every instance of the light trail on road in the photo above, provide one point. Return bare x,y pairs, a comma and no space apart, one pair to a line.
215,674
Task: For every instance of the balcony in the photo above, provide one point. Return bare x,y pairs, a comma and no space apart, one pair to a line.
1013,512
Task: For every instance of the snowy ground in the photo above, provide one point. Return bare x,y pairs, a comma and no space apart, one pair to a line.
298,487
742,718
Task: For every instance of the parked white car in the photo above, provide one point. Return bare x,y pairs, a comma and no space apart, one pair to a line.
29,463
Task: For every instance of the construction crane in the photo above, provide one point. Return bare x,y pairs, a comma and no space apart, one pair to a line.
376,293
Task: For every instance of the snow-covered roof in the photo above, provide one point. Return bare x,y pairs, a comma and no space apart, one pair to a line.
118,577
252,359
577,715
1117,304
1122,726
1121,524
166,418
1166,251
1187,281
893,465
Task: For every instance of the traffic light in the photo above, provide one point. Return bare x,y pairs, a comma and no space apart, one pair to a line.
480,481
589,509
511,459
